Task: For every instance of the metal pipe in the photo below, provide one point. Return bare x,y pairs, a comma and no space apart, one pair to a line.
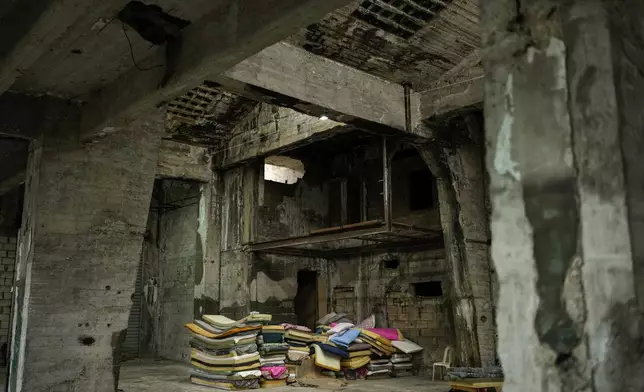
386,184
407,92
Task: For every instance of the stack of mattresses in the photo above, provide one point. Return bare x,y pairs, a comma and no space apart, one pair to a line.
224,352
273,356
402,365
379,368
297,338
298,341
380,345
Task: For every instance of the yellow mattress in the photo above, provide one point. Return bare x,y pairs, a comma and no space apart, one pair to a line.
326,360
364,333
361,353
355,363
272,328
200,331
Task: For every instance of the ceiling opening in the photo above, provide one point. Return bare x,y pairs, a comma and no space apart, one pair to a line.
403,18
282,169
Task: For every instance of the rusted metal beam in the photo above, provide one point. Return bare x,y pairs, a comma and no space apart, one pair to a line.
399,247
316,238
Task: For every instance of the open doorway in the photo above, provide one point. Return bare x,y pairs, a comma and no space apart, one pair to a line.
306,299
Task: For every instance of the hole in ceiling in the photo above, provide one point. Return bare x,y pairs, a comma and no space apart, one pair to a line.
403,18
283,169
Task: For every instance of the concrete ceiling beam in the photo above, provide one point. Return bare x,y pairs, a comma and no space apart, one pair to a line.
289,76
28,30
211,45
442,100
458,88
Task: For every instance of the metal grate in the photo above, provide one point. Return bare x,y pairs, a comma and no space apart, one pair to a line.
194,106
403,18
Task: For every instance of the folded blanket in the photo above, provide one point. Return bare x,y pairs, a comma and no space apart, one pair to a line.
387,333
230,385
380,361
274,372
339,327
345,338
326,360
302,328
355,363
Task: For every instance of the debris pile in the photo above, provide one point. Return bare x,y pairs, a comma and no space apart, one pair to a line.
256,352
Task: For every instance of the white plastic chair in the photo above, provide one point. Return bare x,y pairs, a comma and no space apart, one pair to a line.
446,363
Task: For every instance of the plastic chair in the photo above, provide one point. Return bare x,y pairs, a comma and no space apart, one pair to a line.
446,363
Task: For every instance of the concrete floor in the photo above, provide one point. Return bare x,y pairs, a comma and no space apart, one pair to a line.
137,376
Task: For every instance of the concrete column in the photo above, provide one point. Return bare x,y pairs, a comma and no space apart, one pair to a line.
238,201
86,205
209,237
461,194
564,89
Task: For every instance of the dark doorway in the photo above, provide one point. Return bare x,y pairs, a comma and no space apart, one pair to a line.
306,299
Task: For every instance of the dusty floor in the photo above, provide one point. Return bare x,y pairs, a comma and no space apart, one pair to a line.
173,377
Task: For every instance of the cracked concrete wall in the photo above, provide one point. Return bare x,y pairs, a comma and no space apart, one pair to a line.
291,210
390,294
563,131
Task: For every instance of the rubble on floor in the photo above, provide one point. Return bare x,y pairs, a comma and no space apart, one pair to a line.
259,352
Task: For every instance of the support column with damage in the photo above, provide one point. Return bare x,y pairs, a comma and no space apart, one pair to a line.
86,205
563,84
456,159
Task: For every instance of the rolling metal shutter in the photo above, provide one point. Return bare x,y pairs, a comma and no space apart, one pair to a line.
132,338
